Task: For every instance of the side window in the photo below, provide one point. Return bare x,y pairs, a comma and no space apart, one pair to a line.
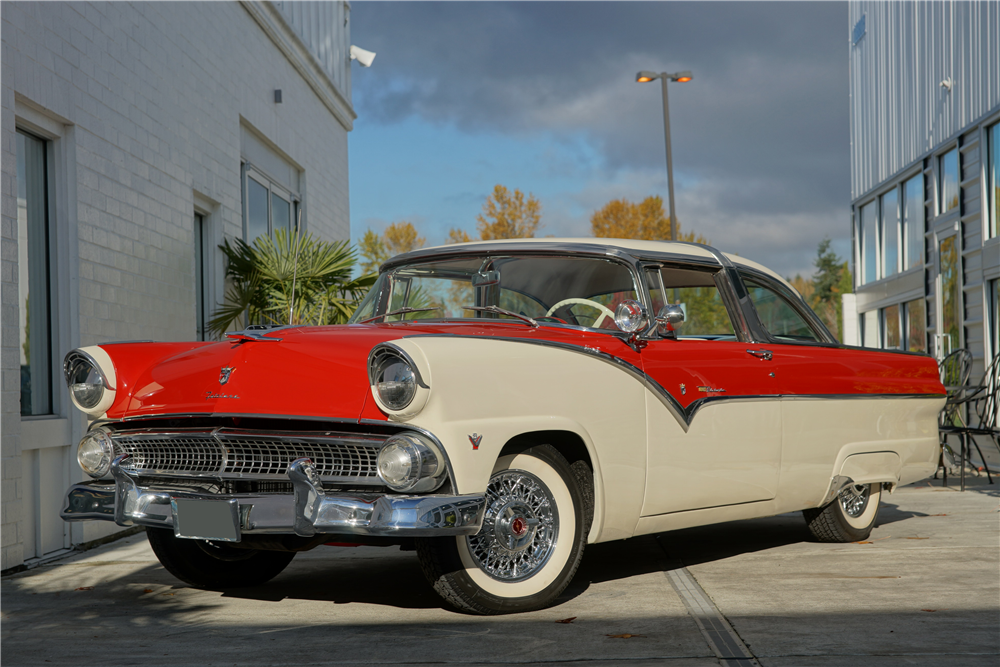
705,314
777,315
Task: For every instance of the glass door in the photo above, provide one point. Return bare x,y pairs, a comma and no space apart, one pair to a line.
948,296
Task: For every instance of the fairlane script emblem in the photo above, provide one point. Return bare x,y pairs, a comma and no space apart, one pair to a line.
475,439
225,373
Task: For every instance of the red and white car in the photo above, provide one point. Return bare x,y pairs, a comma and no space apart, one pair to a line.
498,406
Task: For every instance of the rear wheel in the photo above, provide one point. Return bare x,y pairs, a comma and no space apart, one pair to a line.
849,518
531,542
215,565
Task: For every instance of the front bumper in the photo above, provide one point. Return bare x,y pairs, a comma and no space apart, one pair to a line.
308,511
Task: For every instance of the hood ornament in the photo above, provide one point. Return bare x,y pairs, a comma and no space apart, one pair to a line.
475,439
225,373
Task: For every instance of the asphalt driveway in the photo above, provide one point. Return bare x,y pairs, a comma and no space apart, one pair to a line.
924,590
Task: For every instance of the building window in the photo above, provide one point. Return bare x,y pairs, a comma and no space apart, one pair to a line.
867,235
268,206
33,276
950,312
892,334
993,316
993,182
202,251
948,181
890,233
913,222
869,329
915,313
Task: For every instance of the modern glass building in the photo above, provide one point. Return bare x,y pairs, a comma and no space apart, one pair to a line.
925,177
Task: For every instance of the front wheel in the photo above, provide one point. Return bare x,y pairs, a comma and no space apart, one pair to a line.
537,517
849,518
215,565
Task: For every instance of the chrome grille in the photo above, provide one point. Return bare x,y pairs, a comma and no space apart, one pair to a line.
236,454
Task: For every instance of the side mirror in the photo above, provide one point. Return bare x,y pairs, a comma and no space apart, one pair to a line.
669,319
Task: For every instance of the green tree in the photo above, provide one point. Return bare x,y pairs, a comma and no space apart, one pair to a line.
292,279
824,291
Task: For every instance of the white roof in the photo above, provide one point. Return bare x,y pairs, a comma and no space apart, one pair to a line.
632,246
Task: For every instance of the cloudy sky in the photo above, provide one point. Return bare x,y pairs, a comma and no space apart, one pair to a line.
542,97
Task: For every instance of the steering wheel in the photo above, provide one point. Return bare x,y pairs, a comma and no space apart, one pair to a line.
587,302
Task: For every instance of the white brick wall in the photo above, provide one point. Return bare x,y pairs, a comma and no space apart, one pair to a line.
155,94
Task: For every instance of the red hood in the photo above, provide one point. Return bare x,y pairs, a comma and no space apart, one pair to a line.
311,371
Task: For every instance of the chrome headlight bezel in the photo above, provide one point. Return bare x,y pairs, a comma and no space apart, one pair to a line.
411,463
90,378
95,452
395,380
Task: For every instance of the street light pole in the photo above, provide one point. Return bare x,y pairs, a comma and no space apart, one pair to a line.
664,77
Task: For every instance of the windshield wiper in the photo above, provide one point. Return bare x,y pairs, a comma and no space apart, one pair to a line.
402,311
502,311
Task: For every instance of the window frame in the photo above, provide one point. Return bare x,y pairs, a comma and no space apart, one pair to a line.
921,224
49,371
274,188
816,325
940,174
862,277
882,233
992,186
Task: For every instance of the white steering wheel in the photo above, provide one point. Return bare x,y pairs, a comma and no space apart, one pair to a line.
587,302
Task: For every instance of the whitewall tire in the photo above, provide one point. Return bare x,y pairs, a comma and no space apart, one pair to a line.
531,542
849,518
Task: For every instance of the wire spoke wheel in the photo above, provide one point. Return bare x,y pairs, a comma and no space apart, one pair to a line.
854,499
520,528
538,512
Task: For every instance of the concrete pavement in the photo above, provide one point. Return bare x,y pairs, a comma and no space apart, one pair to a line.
925,590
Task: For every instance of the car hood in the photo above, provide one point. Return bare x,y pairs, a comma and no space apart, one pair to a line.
288,372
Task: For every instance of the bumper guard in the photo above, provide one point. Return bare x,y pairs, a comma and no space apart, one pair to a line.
309,511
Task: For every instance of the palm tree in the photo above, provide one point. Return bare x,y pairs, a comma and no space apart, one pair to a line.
292,279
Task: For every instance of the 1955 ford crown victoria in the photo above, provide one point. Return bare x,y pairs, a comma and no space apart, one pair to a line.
497,406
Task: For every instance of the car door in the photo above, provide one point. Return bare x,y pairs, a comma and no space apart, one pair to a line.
713,418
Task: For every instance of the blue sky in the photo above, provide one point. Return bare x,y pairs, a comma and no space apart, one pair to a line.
541,97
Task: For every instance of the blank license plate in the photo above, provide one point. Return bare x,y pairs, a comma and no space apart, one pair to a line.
206,519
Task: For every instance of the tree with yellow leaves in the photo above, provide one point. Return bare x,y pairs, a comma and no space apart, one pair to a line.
506,215
645,221
509,215
399,237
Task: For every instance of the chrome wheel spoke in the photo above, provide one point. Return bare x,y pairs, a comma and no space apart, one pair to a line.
519,530
854,499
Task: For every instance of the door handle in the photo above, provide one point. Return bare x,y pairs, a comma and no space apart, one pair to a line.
763,355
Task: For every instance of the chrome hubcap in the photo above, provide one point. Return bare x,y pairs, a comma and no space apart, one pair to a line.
854,500
519,529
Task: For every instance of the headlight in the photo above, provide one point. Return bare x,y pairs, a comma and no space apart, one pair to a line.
393,376
85,380
95,453
410,463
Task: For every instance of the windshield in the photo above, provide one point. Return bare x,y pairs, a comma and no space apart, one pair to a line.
580,291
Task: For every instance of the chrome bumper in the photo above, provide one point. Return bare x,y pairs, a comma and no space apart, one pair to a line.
307,512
